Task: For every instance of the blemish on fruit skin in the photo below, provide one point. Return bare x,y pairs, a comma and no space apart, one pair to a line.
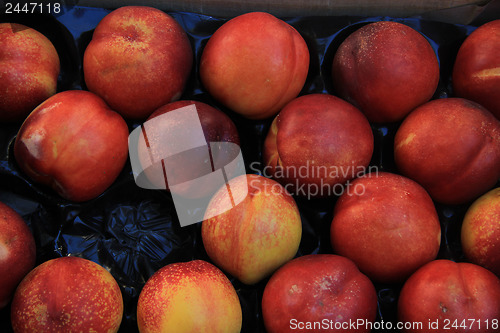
325,284
3,252
294,289
407,140
443,308
54,149
487,73
45,109
33,142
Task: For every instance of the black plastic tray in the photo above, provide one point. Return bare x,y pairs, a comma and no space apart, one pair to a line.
133,232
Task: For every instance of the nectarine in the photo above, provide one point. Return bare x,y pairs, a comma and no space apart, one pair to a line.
261,233
29,67
139,59
189,297
67,294
451,146
17,252
74,143
445,296
389,230
316,143
386,69
186,166
254,64
481,231
316,293
476,71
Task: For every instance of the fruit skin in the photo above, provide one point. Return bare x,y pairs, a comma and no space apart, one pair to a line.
216,126
445,291
451,147
190,296
29,67
139,59
67,294
476,71
389,227
480,234
254,238
17,252
322,134
74,143
386,69
318,288
254,64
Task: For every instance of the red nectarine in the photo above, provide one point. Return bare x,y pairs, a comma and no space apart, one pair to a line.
139,59
386,69
17,252
316,143
74,143
481,231
389,230
445,296
254,64
476,72
183,167
67,294
316,293
29,67
451,146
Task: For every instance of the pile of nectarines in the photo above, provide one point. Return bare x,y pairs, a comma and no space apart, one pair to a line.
308,118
